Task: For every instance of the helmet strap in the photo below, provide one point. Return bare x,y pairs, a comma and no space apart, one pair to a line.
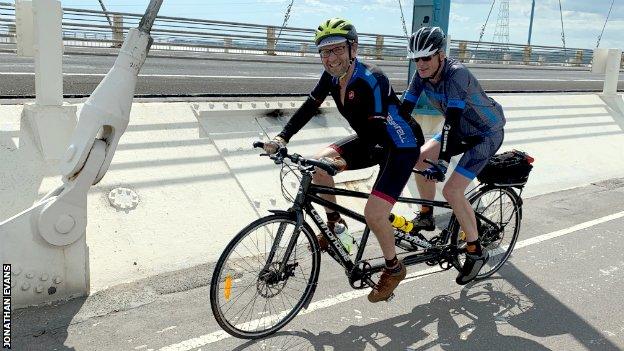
351,60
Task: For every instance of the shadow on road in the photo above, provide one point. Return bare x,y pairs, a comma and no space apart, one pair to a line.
473,319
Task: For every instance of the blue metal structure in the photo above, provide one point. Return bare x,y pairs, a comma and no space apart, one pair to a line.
432,13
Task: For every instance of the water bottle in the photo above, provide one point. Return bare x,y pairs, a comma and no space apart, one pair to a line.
342,232
401,223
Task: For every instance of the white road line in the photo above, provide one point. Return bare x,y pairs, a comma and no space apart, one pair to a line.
162,76
350,295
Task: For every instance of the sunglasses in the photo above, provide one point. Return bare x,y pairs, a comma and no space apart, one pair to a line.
426,58
325,53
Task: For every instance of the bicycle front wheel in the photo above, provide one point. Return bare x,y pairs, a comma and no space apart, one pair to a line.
258,285
501,206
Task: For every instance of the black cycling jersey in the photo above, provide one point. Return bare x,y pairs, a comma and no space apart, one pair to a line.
370,106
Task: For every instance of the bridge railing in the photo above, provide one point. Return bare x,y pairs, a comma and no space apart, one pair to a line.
90,28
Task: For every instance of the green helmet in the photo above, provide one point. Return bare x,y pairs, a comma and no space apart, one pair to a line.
335,28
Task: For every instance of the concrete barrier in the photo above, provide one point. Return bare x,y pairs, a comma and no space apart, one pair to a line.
198,181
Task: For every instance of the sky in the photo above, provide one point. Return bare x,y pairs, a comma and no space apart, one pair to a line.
583,20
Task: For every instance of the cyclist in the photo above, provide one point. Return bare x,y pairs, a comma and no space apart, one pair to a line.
383,137
473,125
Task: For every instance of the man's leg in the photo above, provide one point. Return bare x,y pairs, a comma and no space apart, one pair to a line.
376,212
476,256
426,189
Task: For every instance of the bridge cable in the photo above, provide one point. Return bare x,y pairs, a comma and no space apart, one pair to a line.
605,24
484,25
286,17
403,20
565,55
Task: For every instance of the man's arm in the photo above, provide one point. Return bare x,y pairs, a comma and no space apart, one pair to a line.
450,131
303,115
410,96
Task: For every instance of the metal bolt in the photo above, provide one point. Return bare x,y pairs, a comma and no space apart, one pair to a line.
240,105
279,104
57,280
65,224
25,286
225,105
253,104
39,289
29,275
44,277
292,104
211,106
266,104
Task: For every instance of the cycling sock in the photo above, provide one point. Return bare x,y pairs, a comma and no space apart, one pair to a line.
474,247
390,265
333,216
426,210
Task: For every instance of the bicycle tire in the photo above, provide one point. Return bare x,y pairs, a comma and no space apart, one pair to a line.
220,294
482,202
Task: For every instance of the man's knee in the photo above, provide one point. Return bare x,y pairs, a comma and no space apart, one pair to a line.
451,192
374,217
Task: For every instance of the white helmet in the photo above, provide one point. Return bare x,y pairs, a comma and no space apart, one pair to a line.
425,42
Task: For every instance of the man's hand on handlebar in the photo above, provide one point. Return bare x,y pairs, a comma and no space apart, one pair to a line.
436,172
271,147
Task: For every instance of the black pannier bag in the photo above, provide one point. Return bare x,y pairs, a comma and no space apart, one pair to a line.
508,168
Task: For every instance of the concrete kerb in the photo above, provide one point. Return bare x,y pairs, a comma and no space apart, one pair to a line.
199,181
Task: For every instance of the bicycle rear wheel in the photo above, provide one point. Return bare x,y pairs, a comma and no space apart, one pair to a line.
250,296
502,207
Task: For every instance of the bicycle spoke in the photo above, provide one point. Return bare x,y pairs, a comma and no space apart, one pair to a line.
269,293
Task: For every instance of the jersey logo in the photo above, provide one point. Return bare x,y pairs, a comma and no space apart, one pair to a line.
351,95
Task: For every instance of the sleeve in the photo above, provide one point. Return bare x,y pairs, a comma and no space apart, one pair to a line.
456,93
308,109
411,95
449,138
457,89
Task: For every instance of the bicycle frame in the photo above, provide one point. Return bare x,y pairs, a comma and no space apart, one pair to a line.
309,193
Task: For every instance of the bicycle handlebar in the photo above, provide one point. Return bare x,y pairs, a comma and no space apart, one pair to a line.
282,153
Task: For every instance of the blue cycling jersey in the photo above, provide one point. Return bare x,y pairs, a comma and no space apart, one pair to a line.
370,106
460,89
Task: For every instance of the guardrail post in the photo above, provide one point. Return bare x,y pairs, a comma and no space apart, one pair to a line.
379,42
118,35
25,31
506,58
12,33
270,40
227,44
526,56
304,49
578,58
51,123
463,54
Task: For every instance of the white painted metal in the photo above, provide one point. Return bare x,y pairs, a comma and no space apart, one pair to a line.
612,71
46,243
48,239
25,28
105,114
48,52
